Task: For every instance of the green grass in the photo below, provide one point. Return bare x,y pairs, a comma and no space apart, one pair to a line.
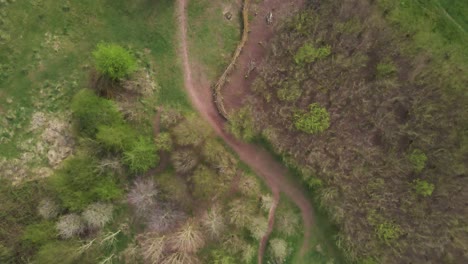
29,63
213,38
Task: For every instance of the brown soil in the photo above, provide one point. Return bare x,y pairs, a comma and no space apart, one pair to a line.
199,91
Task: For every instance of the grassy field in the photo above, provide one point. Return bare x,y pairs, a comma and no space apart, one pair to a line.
213,36
45,53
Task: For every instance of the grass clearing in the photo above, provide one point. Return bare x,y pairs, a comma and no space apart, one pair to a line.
213,37
45,54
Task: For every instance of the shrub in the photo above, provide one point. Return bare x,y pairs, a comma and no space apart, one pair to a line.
152,248
388,231
314,182
114,61
39,234
48,209
221,257
70,225
291,91
184,160
6,254
213,222
308,53
241,124
287,222
180,258
248,185
248,253
163,218
141,156
314,121
279,250
418,159
240,213
143,195
423,187
116,137
385,69
78,184
258,227
188,239
266,202
206,183
91,111
98,215
163,142
61,252
192,131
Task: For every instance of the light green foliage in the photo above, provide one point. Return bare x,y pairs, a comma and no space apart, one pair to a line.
418,159
163,141
206,183
257,227
113,61
191,131
141,156
118,137
314,182
291,91
221,257
91,112
423,187
308,53
279,250
388,231
61,252
77,183
241,124
6,254
314,121
40,233
385,69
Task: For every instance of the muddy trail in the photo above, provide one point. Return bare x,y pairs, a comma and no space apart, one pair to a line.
259,160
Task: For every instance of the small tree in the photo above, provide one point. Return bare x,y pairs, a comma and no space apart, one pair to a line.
213,222
279,250
163,218
188,239
143,195
240,213
314,121
70,225
418,159
423,187
114,61
152,247
48,209
258,227
97,215
184,160
163,142
141,156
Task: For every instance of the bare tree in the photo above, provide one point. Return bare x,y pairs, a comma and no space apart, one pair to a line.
287,222
248,253
152,247
188,239
240,213
142,195
184,160
164,217
279,250
97,215
249,186
48,209
213,222
258,227
180,258
70,225
267,202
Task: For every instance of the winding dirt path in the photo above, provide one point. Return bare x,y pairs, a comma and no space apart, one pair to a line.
261,162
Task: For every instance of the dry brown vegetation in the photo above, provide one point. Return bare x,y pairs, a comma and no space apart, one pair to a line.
385,99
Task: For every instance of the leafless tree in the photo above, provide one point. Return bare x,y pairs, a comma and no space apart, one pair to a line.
70,225
188,239
152,247
97,215
184,160
240,213
48,209
143,195
213,222
180,258
164,217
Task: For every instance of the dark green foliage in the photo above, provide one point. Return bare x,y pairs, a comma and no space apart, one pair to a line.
78,184
91,112
40,233
141,156
113,61
423,188
308,53
60,252
118,137
314,121
241,124
418,159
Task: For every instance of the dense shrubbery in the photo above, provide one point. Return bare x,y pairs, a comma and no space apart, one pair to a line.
308,53
314,121
418,159
241,124
141,156
423,188
114,61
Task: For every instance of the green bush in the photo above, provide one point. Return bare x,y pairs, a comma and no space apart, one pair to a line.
114,61
308,53
40,233
91,111
118,137
385,69
418,159
63,252
314,121
241,124
423,188
388,231
221,257
163,141
206,183
289,92
141,156
78,184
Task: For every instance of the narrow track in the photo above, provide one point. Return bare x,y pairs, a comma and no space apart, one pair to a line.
259,160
